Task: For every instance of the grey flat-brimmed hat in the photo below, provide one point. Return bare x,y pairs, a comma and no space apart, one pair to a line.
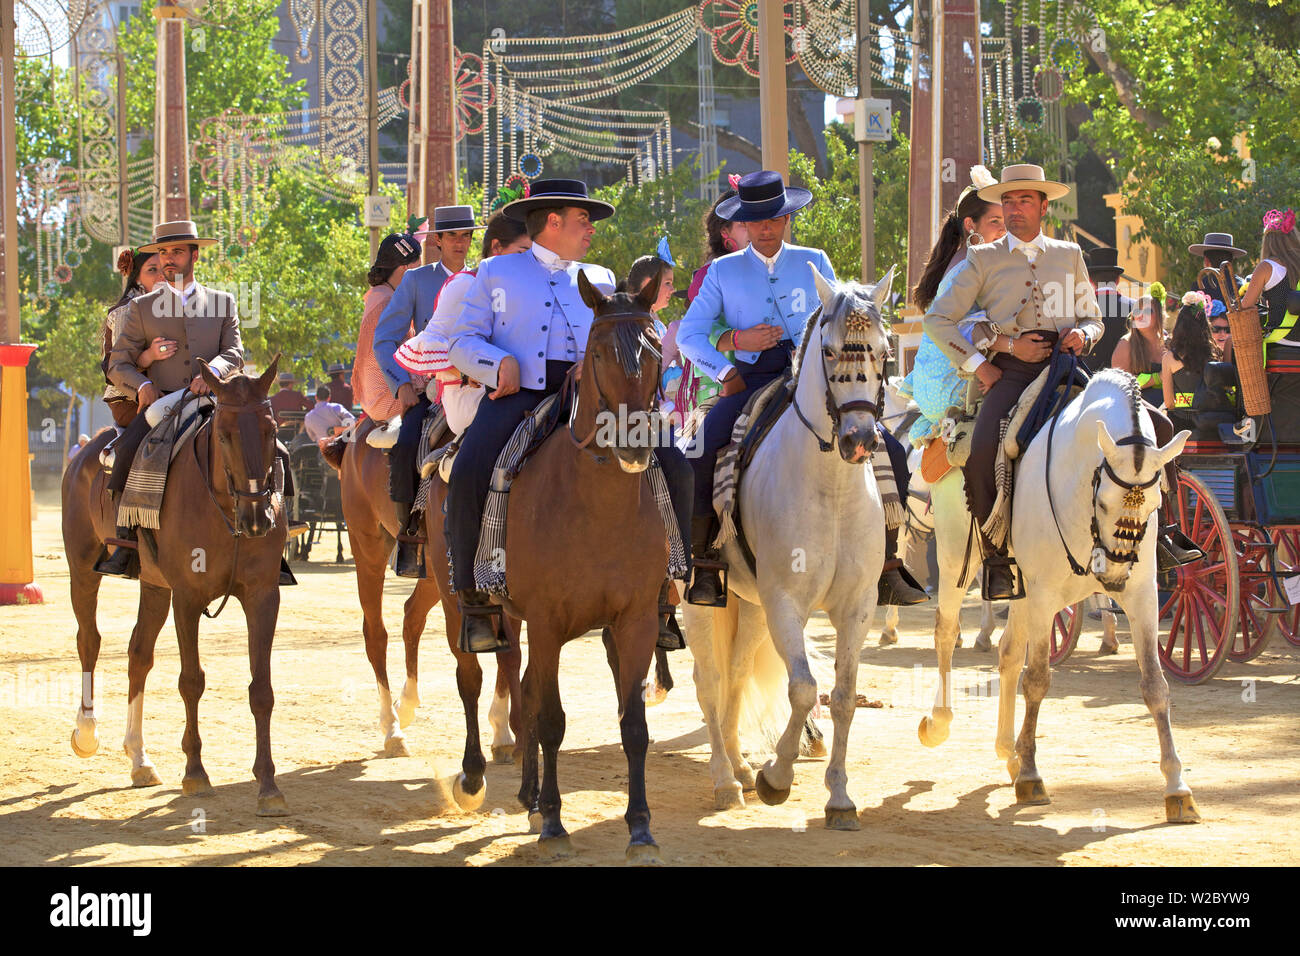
180,232
1220,241
454,219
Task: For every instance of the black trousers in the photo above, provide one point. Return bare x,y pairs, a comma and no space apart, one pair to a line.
402,477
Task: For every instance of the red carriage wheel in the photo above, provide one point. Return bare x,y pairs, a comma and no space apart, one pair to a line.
1065,632
1288,565
1199,606
1259,598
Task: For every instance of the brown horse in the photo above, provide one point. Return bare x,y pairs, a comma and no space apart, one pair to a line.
581,512
222,530
372,531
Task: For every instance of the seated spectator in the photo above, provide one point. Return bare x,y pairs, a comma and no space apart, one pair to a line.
1191,347
327,418
1142,350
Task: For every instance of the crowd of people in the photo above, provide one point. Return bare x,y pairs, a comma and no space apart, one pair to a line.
488,344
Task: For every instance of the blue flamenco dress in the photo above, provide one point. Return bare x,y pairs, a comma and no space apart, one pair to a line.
934,383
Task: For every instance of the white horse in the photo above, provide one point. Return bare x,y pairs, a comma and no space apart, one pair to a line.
920,515
815,524
1083,520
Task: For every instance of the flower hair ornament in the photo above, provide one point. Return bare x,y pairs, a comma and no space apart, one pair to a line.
1197,298
981,178
126,260
733,180
1157,292
1279,221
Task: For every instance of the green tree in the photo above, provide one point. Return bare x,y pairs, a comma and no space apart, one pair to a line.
72,353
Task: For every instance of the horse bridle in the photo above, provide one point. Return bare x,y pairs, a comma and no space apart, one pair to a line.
602,405
1095,529
258,491
836,412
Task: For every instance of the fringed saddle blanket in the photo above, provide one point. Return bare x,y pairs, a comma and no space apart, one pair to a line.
735,457
142,498
489,559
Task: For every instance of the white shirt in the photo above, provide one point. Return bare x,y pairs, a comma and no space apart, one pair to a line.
323,417
770,263
550,259
184,294
1276,275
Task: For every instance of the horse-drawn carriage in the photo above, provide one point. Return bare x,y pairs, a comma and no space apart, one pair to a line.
1240,503
318,503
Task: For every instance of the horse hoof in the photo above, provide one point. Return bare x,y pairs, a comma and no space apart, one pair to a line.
728,798
1107,649
503,754
555,848
273,805
535,822
1181,808
768,793
930,733
643,854
958,642
657,697
888,640
88,746
842,819
464,799
396,747
745,774
1031,793
814,748
982,644
145,776
196,785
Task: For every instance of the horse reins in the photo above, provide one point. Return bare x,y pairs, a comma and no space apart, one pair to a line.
253,494
837,411
602,404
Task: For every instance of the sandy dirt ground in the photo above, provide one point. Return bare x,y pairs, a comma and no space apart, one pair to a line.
1238,736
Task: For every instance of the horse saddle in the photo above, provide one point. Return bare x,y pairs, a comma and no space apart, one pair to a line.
384,435
1046,397
759,415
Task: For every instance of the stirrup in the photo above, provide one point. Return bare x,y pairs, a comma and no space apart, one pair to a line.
1009,564
474,638
406,564
709,564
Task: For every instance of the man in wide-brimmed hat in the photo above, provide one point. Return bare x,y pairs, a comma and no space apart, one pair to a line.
340,390
1215,249
523,325
203,325
1011,279
406,314
770,281
1105,271
288,398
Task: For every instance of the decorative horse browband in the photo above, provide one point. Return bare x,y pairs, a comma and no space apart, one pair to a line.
856,351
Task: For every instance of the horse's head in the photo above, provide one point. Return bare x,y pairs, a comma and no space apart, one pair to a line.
244,428
852,345
1126,486
620,374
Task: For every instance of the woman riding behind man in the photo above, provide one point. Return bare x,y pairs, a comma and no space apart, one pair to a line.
934,382
140,274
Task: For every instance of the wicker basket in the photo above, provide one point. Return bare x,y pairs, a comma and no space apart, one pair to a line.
1248,355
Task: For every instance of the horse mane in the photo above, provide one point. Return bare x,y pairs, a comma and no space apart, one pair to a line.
854,291
1128,385
631,343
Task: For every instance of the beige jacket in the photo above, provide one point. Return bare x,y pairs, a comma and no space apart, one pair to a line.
1051,293
204,327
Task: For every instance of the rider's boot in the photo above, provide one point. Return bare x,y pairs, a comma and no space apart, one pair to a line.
410,547
897,586
286,575
1001,578
125,560
707,586
1173,548
670,635
481,628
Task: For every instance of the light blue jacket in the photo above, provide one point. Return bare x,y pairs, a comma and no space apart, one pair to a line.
412,304
738,289
508,311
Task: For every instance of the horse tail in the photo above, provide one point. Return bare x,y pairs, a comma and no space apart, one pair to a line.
765,698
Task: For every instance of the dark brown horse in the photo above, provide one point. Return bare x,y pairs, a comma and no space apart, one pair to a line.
372,530
222,530
585,548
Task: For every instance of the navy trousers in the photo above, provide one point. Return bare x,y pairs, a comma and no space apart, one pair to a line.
402,478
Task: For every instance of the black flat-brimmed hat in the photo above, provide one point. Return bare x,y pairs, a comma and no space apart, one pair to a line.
180,232
396,250
557,192
1103,264
1216,240
762,195
454,219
